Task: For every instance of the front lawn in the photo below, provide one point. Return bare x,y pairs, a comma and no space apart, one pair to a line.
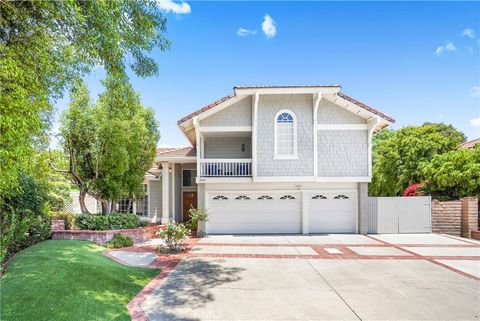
68,280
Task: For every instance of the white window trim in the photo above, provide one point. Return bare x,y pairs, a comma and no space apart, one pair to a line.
275,138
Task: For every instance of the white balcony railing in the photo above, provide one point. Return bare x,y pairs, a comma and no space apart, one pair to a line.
225,167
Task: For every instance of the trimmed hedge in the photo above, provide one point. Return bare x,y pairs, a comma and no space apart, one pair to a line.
114,221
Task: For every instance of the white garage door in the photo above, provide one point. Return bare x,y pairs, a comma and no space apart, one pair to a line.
332,212
253,212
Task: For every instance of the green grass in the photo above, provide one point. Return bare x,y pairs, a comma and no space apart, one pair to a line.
68,280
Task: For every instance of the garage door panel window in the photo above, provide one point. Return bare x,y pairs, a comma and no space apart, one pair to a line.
242,197
319,197
265,197
220,198
287,197
341,197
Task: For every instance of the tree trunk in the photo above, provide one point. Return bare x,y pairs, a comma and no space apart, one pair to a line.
113,207
105,207
129,205
81,200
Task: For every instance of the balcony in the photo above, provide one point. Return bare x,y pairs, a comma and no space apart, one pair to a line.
225,167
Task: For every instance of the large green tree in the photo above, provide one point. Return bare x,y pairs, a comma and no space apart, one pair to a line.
399,157
453,175
110,144
46,44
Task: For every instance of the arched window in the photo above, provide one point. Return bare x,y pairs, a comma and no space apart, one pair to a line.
341,197
285,135
287,197
242,197
220,198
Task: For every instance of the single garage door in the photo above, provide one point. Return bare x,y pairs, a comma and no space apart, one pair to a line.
332,212
253,212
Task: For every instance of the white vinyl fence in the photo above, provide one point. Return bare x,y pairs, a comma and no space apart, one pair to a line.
400,214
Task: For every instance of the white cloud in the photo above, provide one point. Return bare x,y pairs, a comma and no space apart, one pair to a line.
468,32
269,27
476,91
449,46
175,7
475,122
242,32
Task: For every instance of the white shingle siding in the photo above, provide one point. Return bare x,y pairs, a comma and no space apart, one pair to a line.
228,147
330,113
342,153
238,114
269,105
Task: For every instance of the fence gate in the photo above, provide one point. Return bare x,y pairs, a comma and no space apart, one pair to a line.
399,214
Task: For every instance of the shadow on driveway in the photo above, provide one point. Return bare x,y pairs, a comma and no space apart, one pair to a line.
187,289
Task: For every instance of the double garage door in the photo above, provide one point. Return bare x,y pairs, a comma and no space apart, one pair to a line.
281,212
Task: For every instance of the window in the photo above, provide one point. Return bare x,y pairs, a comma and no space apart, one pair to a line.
189,176
319,197
242,197
141,204
265,197
285,135
287,197
341,197
220,198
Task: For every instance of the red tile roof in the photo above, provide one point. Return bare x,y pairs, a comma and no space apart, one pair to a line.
366,107
177,152
225,98
471,143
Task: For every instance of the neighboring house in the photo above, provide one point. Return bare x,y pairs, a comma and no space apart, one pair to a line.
471,144
270,159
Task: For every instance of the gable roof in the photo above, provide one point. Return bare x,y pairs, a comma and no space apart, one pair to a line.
340,94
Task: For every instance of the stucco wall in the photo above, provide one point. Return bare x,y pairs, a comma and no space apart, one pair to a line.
228,147
269,105
342,153
331,113
238,114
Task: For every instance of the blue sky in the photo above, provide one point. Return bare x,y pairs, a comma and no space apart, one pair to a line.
416,62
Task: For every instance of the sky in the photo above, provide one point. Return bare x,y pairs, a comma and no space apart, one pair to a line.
417,62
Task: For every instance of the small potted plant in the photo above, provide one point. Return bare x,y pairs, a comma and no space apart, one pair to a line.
196,215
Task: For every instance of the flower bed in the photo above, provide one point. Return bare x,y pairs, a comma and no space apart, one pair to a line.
138,235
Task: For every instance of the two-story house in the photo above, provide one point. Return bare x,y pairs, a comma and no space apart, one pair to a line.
270,159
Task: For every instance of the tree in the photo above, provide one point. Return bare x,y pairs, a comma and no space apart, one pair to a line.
377,140
110,145
453,175
399,156
44,45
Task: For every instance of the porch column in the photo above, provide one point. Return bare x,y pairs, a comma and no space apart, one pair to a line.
165,196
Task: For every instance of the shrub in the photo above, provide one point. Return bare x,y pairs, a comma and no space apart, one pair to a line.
174,235
119,241
69,219
24,219
197,215
412,190
114,221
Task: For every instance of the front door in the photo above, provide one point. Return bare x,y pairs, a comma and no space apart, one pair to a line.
189,201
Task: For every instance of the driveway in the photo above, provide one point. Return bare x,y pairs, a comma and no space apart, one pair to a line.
322,277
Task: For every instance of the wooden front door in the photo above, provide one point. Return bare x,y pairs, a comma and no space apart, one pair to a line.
189,200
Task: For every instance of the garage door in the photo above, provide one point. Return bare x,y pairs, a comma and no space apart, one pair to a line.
332,212
253,212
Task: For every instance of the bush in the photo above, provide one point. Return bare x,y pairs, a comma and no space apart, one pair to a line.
69,219
174,235
197,215
114,221
119,241
24,219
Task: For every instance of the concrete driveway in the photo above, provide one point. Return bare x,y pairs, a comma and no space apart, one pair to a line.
322,277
